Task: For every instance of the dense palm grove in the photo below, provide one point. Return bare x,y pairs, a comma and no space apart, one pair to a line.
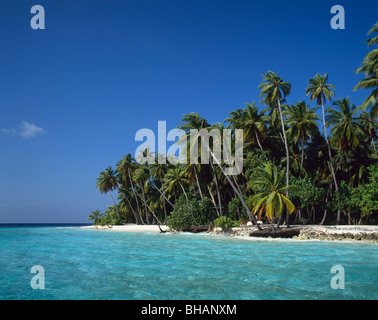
303,163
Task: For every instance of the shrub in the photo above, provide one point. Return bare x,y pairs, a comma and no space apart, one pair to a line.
236,211
181,217
192,212
225,222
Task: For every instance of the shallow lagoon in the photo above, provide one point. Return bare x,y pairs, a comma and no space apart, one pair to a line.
90,264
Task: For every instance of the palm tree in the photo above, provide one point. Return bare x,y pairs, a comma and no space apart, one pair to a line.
346,132
251,121
375,39
107,182
194,121
302,124
370,68
174,179
269,183
95,215
274,90
141,176
192,170
125,168
370,126
125,203
158,171
319,89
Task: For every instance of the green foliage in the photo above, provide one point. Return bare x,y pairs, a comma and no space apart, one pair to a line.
255,159
236,210
306,194
204,211
225,222
361,201
365,197
191,212
271,197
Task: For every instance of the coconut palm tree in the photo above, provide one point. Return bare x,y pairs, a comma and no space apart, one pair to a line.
270,192
318,89
251,121
274,90
125,203
370,126
373,40
174,180
95,215
108,182
302,124
125,168
346,132
370,68
141,176
158,171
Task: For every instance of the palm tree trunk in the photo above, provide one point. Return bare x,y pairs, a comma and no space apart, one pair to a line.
325,211
199,187
183,190
287,159
249,213
302,156
258,140
154,185
217,187
212,198
145,204
115,205
157,220
329,148
136,198
132,209
233,177
330,157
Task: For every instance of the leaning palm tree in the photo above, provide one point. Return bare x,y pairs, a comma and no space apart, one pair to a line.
158,171
95,215
141,176
107,182
346,132
302,124
274,90
125,203
321,91
194,121
270,192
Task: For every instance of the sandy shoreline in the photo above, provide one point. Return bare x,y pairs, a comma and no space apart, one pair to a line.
130,227
361,233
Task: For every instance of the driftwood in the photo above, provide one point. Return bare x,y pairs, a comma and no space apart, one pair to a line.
196,229
278,233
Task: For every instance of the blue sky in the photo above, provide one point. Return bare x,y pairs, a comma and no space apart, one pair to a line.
74,95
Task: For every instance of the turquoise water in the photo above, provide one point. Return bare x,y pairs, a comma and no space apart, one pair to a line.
90,264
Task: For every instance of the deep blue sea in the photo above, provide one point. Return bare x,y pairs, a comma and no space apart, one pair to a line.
91,264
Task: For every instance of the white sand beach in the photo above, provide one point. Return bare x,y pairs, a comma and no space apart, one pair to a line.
365,233
130,227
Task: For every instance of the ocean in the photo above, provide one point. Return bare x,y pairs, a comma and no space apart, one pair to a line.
90,264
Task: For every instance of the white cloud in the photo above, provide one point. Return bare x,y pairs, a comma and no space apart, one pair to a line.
29,130
26,130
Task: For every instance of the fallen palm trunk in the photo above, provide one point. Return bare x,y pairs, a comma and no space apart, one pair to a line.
195,229
278,233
